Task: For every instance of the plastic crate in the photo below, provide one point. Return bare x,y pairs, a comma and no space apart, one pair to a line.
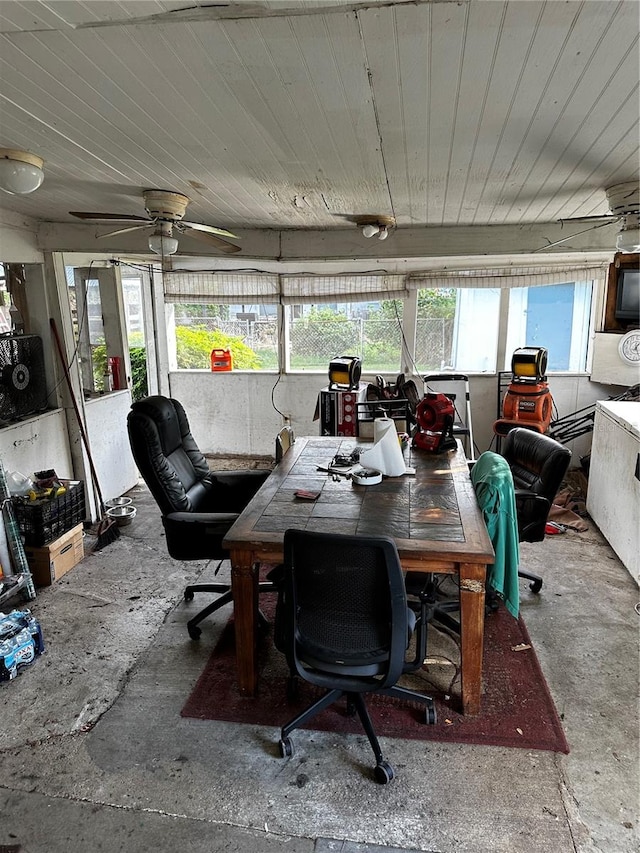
45,519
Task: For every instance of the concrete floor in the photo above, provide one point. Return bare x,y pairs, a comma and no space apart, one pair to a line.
95,755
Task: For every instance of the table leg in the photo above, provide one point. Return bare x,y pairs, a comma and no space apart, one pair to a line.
472,586
244,586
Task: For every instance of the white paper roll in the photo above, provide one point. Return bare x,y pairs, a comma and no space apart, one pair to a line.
385,455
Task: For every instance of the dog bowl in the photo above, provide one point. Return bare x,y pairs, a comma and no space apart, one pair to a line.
118,502
122,514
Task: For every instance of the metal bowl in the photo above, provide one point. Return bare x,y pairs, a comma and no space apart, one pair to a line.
122,514
118,502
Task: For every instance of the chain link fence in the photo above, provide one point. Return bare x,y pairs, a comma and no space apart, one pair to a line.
313,343
434,343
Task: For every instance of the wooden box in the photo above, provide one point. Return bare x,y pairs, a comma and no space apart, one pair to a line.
52,561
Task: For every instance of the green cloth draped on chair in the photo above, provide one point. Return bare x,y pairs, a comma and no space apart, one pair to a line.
493,483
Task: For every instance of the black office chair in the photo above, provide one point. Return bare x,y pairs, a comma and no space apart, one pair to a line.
343,623
198,506
538,465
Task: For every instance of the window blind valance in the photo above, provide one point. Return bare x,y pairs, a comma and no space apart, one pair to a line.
221,287
529,276
297,289
271,288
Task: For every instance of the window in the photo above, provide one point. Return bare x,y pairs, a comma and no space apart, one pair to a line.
132,294
555,317
250,331
6,324
86,312
457,329
369,330
460,317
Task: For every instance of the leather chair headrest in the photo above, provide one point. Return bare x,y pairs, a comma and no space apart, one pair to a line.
169,417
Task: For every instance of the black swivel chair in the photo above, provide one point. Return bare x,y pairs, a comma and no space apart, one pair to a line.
344,624
198,506
538,465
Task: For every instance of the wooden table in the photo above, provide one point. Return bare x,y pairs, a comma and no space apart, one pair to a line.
432,515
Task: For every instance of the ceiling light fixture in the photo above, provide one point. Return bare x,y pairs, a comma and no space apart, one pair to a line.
161,241
20,172
628,239
372,225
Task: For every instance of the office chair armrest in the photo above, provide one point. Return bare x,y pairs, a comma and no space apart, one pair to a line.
234,489
212,520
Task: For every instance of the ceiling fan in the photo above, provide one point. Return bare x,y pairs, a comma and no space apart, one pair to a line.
624,206
165,211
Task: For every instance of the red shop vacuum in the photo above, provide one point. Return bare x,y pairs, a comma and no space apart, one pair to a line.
527,402
435,416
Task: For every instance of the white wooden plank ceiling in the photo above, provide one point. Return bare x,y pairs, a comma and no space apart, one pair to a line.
303,115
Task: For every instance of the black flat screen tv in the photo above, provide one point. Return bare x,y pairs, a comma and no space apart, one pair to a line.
627,309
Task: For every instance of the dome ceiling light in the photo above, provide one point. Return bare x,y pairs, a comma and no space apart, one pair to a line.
20,172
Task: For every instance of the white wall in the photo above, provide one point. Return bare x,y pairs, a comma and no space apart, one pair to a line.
233,413
37,444
18,239
107,429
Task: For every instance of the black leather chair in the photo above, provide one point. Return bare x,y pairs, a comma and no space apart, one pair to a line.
538,464
198,506
343,623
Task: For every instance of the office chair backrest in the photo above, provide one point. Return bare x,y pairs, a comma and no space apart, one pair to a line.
166,454
345,603
284,439
538,464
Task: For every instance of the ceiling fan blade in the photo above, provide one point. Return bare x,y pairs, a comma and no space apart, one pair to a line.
211,239
576,234
610,217
209,229
119,217
147,224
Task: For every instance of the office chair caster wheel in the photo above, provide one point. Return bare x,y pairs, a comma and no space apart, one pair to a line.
286,747
188,595
536,586
430,716
194,632
383,773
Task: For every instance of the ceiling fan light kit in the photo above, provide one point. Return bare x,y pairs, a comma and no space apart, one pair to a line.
163,245
628,239
20,172
372,225
162,241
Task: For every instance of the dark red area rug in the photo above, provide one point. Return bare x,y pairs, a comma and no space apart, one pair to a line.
516,709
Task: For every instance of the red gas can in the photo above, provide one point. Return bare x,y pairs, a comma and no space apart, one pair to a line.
221,359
